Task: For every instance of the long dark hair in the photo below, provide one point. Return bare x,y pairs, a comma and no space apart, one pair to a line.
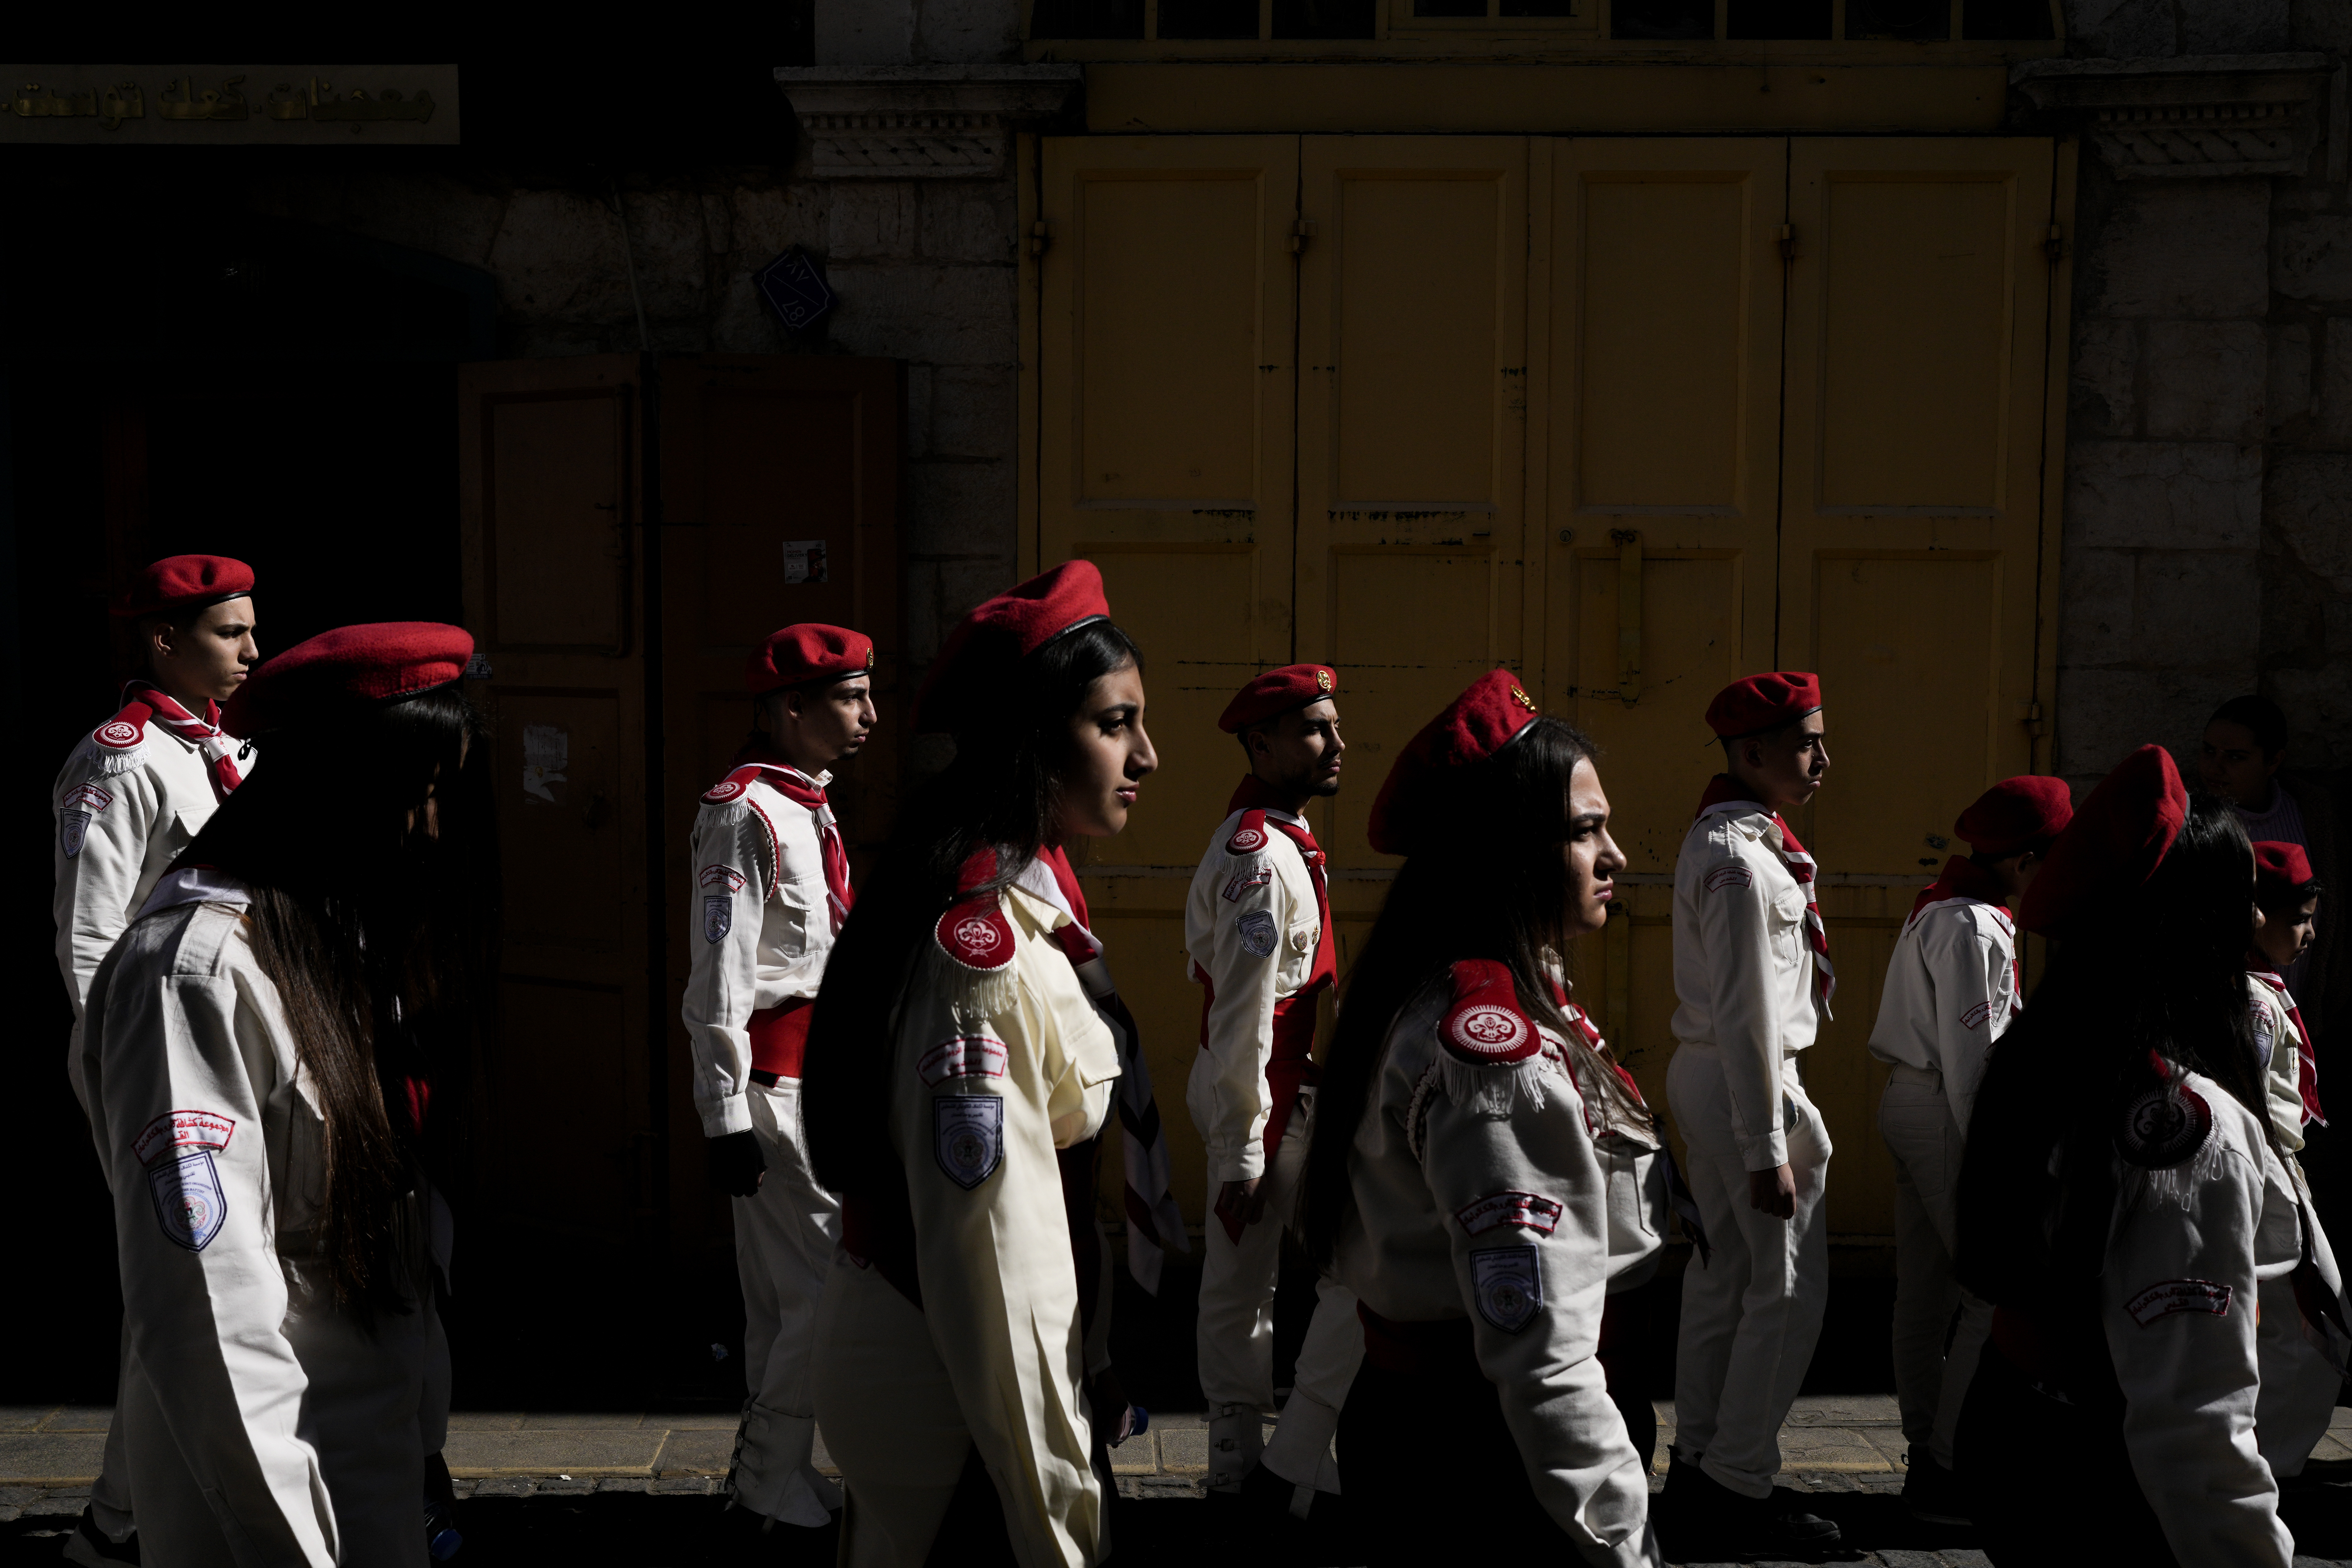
2164,971
1497,893
1002,792
379,939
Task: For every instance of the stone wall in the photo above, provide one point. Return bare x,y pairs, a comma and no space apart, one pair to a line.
2207,531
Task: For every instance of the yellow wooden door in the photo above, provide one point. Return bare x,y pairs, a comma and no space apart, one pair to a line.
1911,554
1165,442
1653,463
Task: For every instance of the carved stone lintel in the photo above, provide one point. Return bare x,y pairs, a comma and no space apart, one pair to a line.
2195,117
898,122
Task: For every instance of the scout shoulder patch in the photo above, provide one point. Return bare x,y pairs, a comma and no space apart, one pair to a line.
1528,1211
717,917
2166,1297
2166,1123
1250,836
1485,1024
734,787
1255,928
184,1184
1976,1016
968,1137
961,1056
976,934
724,879
1507,1282
1731,876
120,743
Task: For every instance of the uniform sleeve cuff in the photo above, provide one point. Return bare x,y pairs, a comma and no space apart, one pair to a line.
732,1114
1765,1154
1243,1167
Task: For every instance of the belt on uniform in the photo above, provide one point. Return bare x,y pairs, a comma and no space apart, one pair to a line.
779,1038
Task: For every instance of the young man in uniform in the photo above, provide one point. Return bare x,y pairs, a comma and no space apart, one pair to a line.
2243,757
771,890
131,797
1951,990
1258,926
1753,980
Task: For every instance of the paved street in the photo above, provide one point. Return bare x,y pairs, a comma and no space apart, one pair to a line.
639,1491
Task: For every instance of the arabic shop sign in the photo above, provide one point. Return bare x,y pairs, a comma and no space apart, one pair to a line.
189,105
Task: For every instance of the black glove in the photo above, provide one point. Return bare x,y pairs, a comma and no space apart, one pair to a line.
736,1163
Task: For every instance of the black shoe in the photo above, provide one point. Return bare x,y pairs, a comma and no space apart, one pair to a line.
90,1546
1707,1514
1933,1493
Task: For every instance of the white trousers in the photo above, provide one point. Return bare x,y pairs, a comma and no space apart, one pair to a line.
2298,1385
784,1238
1235,1339
893,1423
1931,1311
1750,1316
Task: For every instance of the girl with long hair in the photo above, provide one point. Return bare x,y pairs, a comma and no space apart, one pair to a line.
1483,1172
2122,1205
273,1060
955,1064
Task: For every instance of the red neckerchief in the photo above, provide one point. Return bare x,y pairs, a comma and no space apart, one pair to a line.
204,733
1077,939
2306,1061
1575,1014
1962,878
1253,794
802,790
1721,793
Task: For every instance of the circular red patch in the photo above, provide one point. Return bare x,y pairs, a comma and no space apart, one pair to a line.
1246,840
1488,1030
976,937
726,790
117,732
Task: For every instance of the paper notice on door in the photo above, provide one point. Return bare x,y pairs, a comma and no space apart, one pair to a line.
804,560
546,752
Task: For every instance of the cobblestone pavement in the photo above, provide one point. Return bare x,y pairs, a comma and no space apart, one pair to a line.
639,1491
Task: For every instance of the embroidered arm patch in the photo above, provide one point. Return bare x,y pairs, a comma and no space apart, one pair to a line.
722,877
177,1149
968,1137
1255,928
2166,1297
1508,1284
1975,1016
1243,881
1723,877
961,1056
1530,1211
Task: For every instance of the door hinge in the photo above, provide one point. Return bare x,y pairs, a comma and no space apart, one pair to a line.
1301,231
1789,251
1039,237
2030,715
2054,245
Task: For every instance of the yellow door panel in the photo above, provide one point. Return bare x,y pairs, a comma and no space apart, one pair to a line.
1911,491
1411,334
1653,399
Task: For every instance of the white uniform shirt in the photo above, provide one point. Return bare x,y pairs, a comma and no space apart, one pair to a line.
2280,1045
289,1426
763,931
1512,1195
1952,991
991,1078
1743,969
128,799
2190,1249
1251,925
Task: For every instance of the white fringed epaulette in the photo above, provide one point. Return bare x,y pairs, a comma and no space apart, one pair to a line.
120,744
972,958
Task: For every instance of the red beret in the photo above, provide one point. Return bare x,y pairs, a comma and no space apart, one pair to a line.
1474,727
1278,691
185,582
2281,867
2015,815
1763,702
810,651
350,667
1002,632
2113,845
